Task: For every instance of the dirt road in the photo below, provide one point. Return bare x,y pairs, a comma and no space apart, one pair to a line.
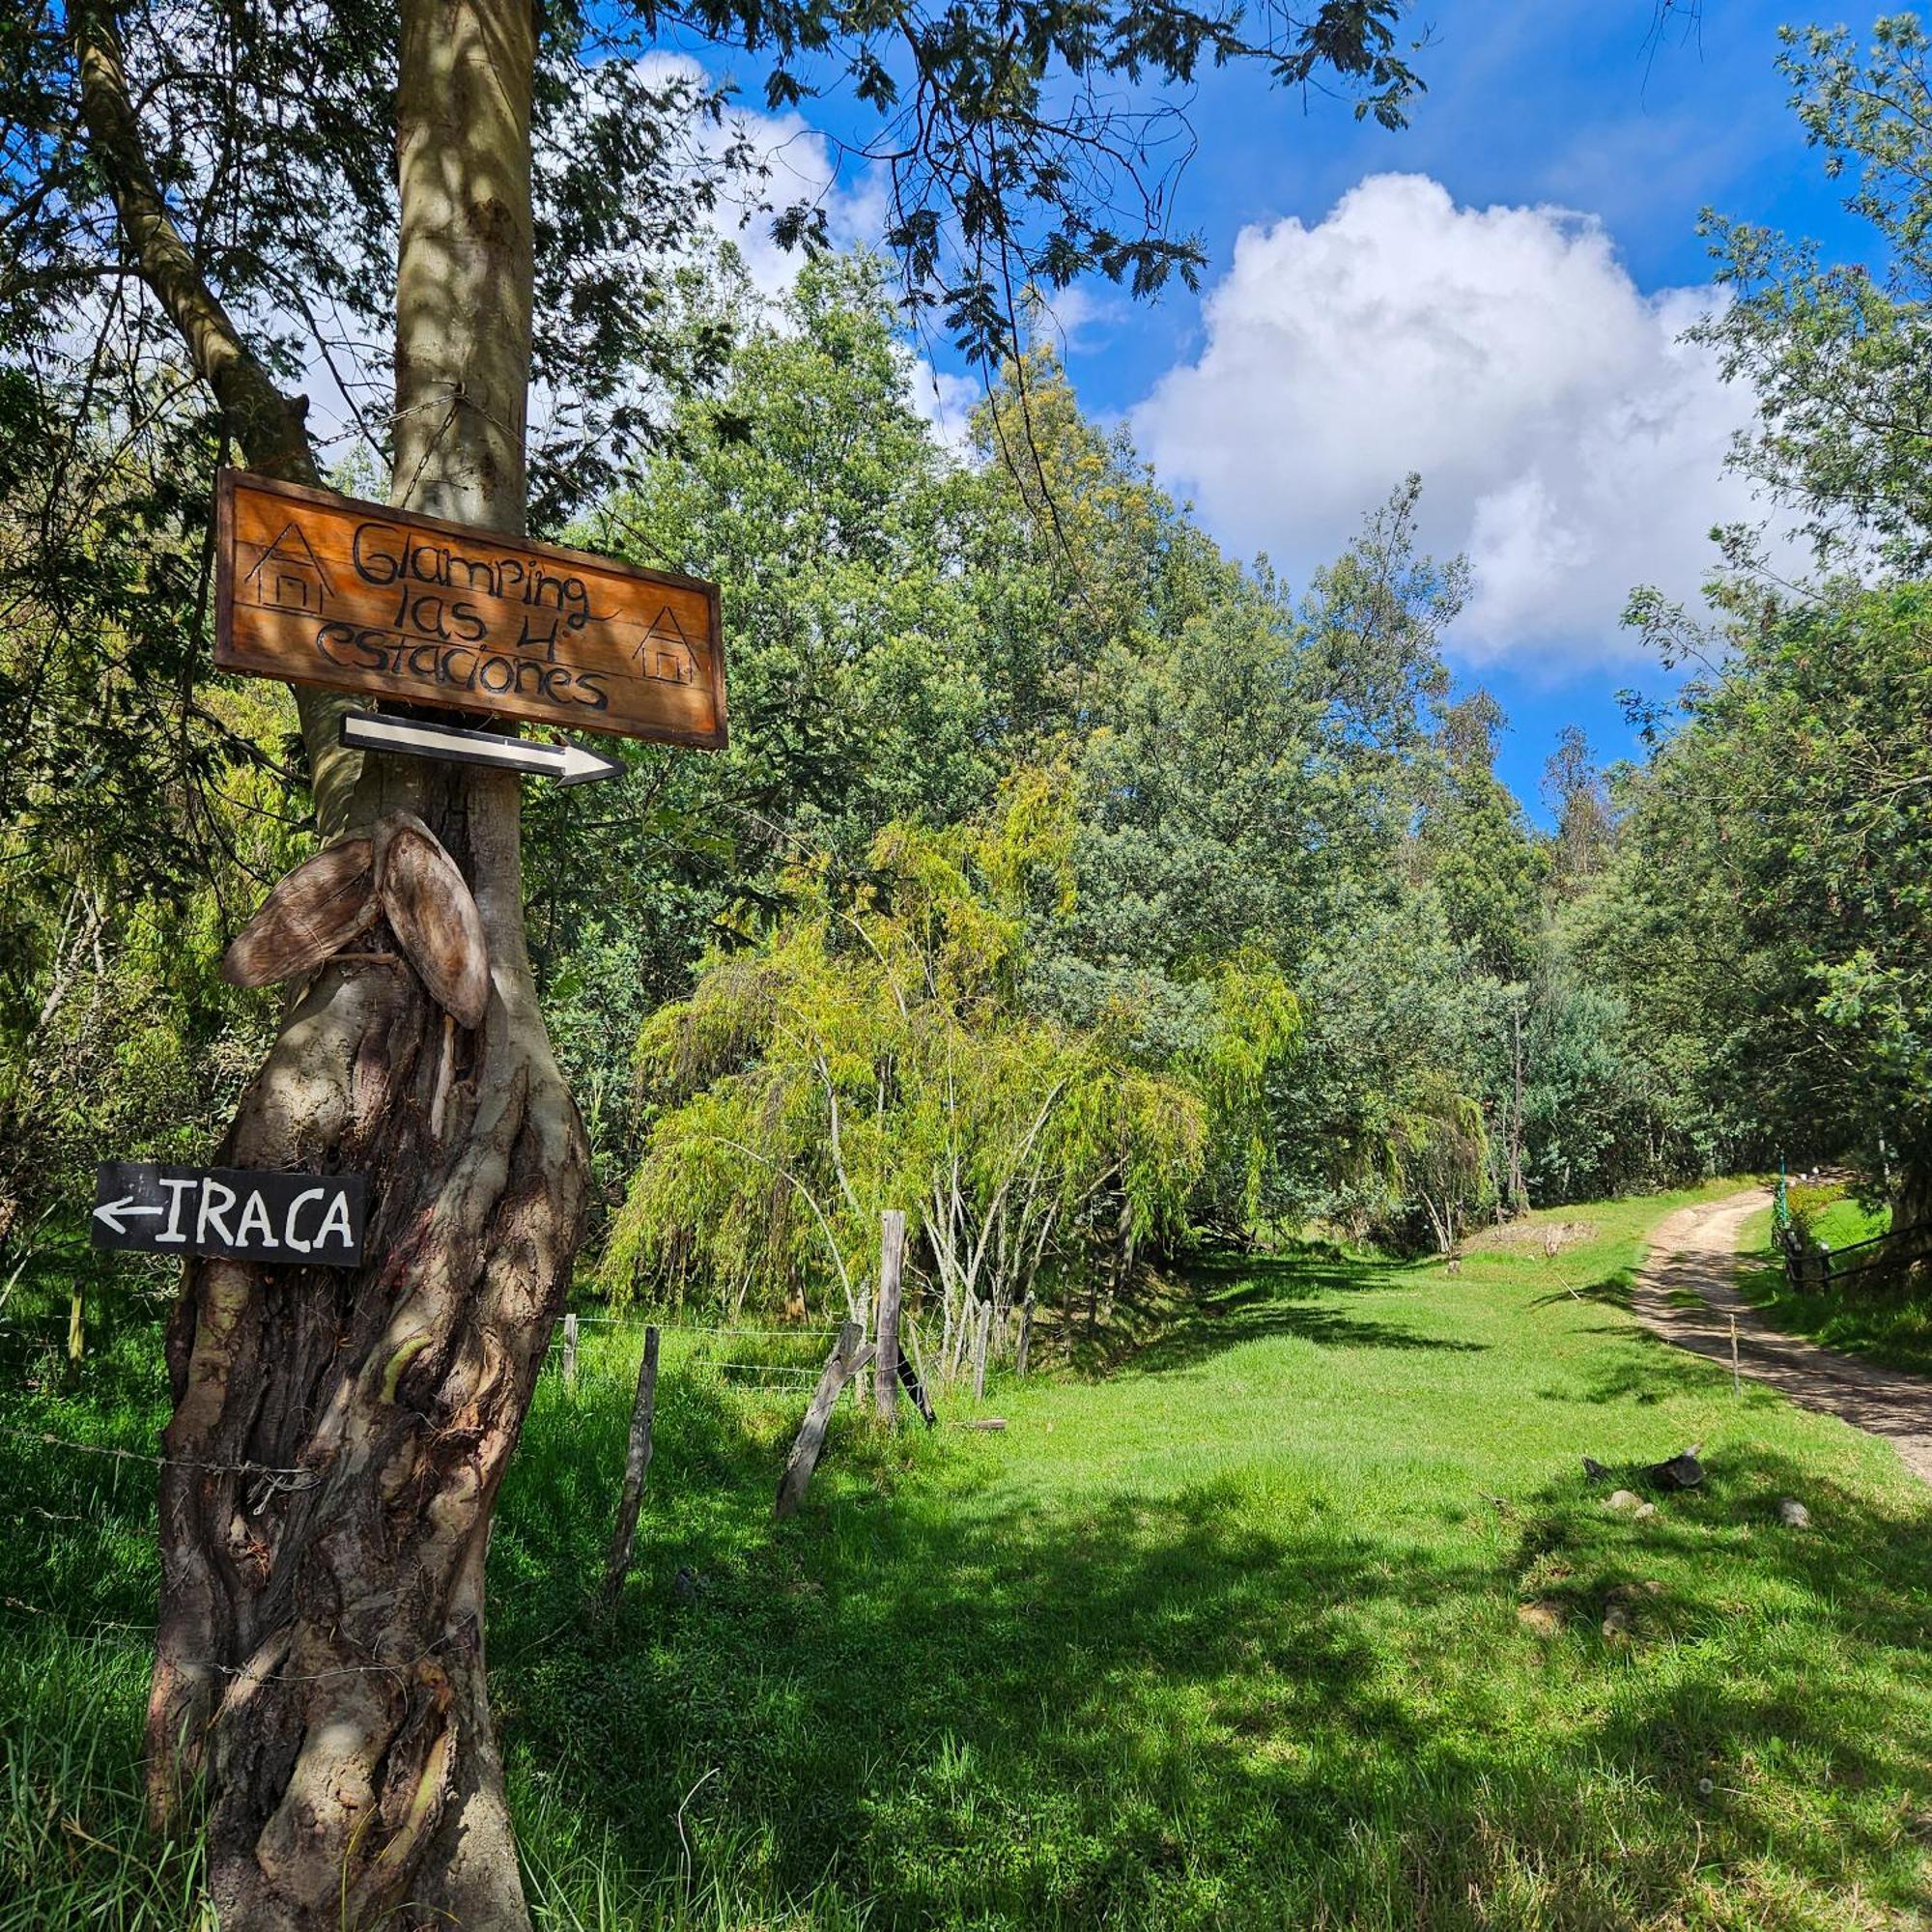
1694,1254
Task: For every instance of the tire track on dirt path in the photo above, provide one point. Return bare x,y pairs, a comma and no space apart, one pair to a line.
1687,1293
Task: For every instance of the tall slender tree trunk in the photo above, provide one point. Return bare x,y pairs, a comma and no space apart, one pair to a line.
1518,1194
321,1658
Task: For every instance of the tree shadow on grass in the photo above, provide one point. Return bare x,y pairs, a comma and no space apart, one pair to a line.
1613,1290
1236,1299
1774,1668
924,1703
1647,1370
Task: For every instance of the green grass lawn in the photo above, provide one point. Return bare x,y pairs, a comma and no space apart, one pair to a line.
1859,1315
1229,1639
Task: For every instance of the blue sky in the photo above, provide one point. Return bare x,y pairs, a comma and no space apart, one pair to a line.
1495,297
1586,106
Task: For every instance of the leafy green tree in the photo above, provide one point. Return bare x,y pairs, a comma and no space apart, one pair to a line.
1840,354
1379,1115
811,488
1768,902
878,1049
1110,569
848,548
1474,844
1243,773
1576,791
1602,1113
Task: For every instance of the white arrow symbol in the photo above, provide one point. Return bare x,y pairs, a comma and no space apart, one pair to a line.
568,764
114,1210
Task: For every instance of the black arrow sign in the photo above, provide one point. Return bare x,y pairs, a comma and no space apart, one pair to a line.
303,1220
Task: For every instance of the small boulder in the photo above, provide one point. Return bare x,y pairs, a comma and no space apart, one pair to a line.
1682,1471
1793,1514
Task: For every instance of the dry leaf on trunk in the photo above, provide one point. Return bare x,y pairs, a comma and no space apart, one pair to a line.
434,916
317,910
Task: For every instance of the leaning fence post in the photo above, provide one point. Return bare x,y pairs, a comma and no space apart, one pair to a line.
637,1460
886,1364
570,1349
1026,1335
847,1358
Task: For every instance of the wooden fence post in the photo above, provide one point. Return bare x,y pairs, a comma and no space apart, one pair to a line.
886,1332
570,1350
1026,1335
637,1460
847,1358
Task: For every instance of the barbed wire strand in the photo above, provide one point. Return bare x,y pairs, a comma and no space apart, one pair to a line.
284,1479
400,1668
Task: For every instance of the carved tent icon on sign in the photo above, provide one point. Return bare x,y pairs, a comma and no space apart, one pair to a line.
665,650
289,576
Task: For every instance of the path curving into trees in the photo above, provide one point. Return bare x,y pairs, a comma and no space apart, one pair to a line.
1687,1293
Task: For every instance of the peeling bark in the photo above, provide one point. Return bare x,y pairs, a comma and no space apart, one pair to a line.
320,1657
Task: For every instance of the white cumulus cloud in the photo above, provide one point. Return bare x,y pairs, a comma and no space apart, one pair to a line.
1570,444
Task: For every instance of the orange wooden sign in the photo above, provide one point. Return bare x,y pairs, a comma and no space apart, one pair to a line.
317,588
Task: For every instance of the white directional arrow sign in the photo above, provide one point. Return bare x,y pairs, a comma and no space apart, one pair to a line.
568,764
118,1213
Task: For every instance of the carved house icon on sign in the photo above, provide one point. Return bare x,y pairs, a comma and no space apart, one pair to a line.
289,576
664,651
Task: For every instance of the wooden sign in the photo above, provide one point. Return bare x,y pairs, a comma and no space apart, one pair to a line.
304,1220
317,588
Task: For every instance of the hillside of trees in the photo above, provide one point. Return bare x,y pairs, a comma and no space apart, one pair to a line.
1072,884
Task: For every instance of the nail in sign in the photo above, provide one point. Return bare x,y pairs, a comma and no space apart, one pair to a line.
301,1220
317,588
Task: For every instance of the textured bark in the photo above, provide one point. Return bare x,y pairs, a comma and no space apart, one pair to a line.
313,914
321,1658
637,1461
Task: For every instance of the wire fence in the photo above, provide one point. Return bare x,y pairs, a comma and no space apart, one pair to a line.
794,1333
1809,1264
288,1479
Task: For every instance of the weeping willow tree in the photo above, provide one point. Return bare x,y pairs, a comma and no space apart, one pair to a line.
879,1047
1439,1153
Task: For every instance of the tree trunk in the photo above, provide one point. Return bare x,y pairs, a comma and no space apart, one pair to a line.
1518,1194
1912,1207
321,1655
